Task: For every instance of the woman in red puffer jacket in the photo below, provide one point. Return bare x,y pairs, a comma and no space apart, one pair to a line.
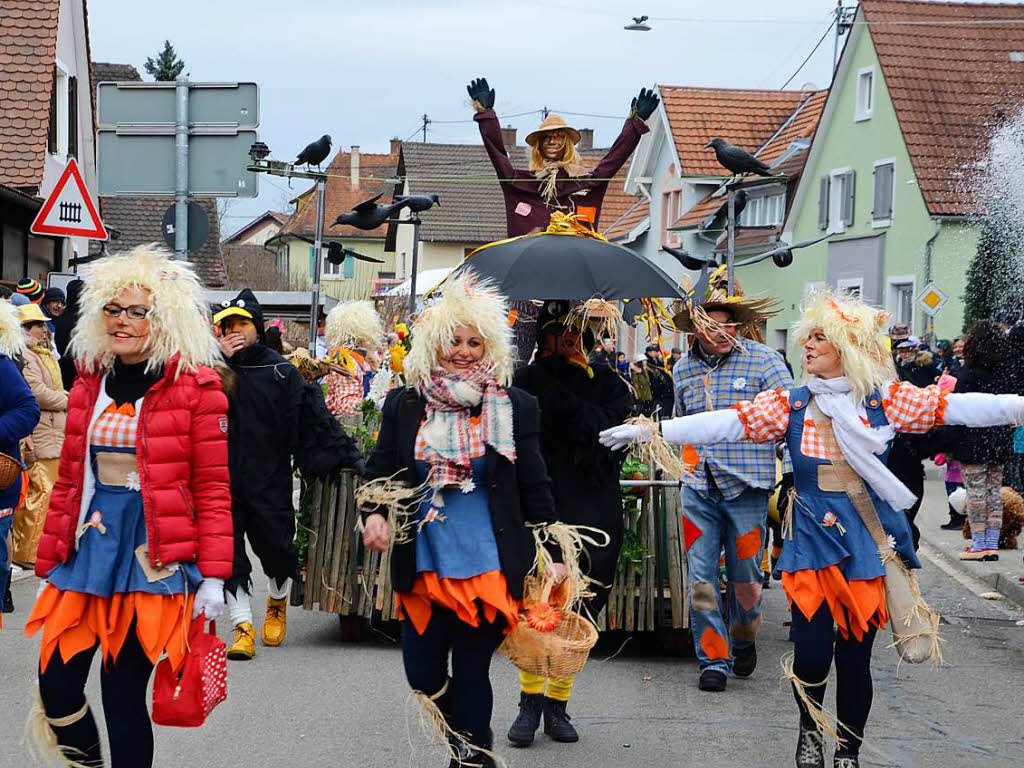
138,538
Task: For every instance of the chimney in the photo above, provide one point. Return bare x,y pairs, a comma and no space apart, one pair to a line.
508,136
396,146
354,164
586,139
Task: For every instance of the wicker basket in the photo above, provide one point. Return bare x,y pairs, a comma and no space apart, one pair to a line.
560,653
10,469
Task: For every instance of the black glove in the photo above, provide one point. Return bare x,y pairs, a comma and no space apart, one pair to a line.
643,105
481,93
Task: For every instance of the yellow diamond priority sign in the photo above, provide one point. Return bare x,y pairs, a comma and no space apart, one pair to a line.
932,299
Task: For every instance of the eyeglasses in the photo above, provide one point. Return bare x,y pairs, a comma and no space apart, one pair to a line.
134,312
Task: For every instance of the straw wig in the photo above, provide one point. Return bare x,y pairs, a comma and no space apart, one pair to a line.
856,330
354,325
465,300
12,338
179,323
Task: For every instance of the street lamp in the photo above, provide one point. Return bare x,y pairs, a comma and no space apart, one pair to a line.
638,25
258,151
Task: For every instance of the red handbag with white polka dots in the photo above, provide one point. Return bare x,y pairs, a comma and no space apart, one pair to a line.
186,698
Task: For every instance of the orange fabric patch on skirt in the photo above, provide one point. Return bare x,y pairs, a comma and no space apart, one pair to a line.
748,544
76,621
713,645
460,596
855,605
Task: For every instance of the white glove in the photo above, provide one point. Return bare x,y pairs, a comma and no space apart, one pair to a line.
209,599
623,436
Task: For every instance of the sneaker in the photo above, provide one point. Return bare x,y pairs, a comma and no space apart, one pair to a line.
712,680
810,748
244,646
744,661
845,761
528,721
275,623
556,722
979,555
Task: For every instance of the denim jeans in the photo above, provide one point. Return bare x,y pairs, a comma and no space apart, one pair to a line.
710,524
5,555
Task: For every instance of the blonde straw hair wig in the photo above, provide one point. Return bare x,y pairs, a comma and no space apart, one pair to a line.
856,331
179,322
466,300
12,337
355,325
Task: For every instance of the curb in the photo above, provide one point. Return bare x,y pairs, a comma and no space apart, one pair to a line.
1008,586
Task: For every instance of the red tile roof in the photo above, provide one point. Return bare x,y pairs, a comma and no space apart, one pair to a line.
341,195
747,118
628,221
28,43
950,83
621,211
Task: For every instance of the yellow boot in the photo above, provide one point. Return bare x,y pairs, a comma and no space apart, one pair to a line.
244,646
275,623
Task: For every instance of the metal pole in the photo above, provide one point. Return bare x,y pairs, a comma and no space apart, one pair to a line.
181,169
415,263
314,308
835,43
731,254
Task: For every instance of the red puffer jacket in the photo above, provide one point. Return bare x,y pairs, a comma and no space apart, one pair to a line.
182,450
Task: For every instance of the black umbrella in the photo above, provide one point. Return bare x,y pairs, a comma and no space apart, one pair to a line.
569,267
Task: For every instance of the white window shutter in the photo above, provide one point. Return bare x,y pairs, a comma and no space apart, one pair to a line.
849,182
823,202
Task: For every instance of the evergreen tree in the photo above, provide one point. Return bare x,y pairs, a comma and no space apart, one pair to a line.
990,286
167,65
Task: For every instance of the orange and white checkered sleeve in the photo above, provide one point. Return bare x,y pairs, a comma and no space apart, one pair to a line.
765,418
914,409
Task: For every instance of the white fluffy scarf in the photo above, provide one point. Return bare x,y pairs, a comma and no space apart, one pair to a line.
860,444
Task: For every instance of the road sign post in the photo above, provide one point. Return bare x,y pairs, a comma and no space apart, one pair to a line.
181,170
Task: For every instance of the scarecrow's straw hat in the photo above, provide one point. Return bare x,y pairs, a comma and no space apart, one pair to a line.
553,122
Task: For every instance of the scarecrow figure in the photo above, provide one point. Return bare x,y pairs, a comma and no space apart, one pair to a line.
354,332
557,179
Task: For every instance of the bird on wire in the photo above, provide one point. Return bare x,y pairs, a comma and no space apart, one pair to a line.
369,214
418,203
735,159
315,152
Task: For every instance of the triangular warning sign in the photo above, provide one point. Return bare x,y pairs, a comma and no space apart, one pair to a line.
69,210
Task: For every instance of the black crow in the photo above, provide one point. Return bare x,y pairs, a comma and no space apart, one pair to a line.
735,159
368,214
684,258
418,203
315,152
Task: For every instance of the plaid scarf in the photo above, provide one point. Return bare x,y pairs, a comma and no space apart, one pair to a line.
447,429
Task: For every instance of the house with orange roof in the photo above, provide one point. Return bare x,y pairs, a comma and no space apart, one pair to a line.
46,117
352,177
892,172
680,179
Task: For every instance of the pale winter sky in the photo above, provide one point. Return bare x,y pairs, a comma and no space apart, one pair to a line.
366,71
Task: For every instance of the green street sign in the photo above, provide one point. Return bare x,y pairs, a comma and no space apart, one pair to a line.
120,105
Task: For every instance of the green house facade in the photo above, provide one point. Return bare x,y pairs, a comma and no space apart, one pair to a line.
888,175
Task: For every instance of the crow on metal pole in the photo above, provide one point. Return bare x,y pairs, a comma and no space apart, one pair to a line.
735,159
315,152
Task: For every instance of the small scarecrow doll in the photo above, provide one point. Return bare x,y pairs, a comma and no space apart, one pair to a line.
847,540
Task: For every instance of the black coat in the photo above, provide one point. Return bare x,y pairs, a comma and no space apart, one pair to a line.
984,445
520,492
574,408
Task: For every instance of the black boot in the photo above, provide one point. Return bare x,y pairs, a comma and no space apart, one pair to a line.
526,723
956,522
845,761
556,722
467,757
810,748
744,661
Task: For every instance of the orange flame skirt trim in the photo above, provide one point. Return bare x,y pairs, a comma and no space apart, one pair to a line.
459,596
855,605
75,621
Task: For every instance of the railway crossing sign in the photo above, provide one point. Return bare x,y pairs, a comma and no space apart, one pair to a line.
69,210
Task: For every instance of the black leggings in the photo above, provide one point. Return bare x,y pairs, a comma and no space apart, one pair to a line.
813,651
469,700
123,684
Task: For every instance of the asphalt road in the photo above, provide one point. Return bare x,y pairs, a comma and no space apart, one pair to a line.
316,701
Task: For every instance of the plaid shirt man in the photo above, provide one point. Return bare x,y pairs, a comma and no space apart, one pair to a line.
738,376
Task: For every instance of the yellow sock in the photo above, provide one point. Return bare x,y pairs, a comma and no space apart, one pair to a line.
559,690
529,683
